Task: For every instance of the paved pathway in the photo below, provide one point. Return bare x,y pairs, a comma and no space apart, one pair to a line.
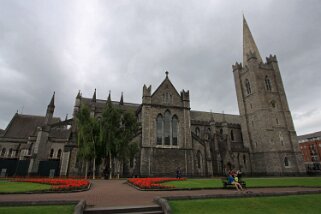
111,193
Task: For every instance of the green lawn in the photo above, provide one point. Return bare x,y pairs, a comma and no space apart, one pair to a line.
43,209
282,204
250,182
7,186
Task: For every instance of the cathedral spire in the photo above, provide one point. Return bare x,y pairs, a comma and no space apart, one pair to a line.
249,46
52,101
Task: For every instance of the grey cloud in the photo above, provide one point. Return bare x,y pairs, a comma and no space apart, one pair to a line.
122,45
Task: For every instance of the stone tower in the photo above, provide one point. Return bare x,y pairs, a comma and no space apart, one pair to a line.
266,120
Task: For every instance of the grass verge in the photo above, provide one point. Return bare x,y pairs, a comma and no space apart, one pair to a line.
43,209
250,182
12,187
281,204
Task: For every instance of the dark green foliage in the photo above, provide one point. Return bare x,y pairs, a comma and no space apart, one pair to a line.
108,136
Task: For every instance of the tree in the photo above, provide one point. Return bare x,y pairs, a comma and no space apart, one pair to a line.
88,133
117,130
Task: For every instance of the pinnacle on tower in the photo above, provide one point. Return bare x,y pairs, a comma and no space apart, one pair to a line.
78,95
121,102
249,46
109,98
94,97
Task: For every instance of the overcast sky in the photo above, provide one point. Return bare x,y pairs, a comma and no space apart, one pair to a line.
66,46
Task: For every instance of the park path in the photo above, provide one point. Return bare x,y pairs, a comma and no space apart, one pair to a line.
112,193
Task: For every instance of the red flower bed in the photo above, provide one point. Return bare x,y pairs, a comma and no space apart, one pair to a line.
57,184
152,183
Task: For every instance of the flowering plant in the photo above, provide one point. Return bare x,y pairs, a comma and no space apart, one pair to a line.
57,184
152,183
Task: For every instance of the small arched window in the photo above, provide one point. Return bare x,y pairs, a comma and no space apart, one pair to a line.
10,153
3,152
51,153
232,135
59,154
244,160
248,86
267,84
30,149
286,162
199,159
174,130
197,131
221,131
273,104
159,129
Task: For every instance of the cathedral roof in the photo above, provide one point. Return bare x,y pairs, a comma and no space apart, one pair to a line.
59,133
23,126
217,117
101,104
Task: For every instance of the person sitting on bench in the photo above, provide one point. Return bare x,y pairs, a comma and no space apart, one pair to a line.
232,180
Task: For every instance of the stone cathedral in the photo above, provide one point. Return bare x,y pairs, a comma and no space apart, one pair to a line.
260,141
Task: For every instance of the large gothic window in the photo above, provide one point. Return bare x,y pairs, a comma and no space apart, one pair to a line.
167,128
248,87
268,83
159,129
174,130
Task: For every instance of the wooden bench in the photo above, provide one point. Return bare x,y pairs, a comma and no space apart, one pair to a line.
227,184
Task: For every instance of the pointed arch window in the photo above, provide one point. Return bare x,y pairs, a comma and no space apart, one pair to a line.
167,128
248,86
244,160
286,162
3,152
30,149
232,135
197,131
59,154
199,159
159,129
51,153
174,130
268,83
10,153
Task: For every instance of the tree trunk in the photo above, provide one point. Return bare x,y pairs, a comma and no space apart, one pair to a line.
117,167
86,169
94,162
94,168
110,166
